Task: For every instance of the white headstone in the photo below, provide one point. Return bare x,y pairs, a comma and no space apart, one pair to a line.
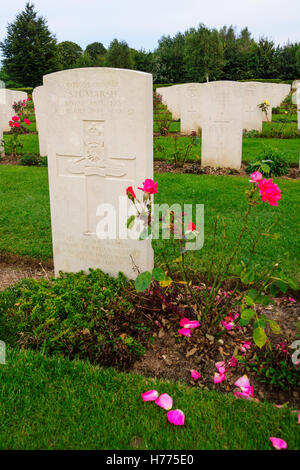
40,106
253,97
294,90
222,125
192,110
7,99
99,142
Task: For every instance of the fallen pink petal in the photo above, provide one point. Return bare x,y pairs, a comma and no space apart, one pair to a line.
151,395
221,367
185,332
243,383
186,323
176,417
278,443
164,401
233,362
218,378
195,375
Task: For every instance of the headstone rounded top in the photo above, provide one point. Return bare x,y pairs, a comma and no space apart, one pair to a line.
2,84
93,72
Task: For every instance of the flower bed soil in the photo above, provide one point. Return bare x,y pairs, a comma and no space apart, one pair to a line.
161,166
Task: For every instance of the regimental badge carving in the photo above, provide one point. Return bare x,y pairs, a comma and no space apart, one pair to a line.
95,160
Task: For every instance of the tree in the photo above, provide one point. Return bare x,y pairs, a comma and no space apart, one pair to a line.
143,61
96,51
29,49
262,59
119,55
298,60
83,61
170,54
287,61
204,54
68,53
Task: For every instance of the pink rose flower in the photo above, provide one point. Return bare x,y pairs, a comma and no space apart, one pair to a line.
27,121
149,187
11,124
256,177
269,192
15,118
16,124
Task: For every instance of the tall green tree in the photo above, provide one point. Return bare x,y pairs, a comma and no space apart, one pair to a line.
170,56
119,55
97,52
204,55
298,60
287,61
143,61
68,53
29,49
262,60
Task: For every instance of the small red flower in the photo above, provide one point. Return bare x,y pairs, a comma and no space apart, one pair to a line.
129,191
15,118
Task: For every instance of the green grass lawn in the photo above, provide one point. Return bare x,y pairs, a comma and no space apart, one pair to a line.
30,143
25,227
52,403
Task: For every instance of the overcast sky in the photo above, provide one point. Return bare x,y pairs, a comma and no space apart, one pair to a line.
142,22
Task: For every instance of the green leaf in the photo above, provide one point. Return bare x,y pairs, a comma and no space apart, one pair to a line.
158,274
252,293
143,281
293,284
247,277
273,290
249,301
260,323
130,222
247,315
260,337
282,286
274,326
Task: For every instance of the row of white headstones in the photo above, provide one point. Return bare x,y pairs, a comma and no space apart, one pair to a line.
96,127
222,110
